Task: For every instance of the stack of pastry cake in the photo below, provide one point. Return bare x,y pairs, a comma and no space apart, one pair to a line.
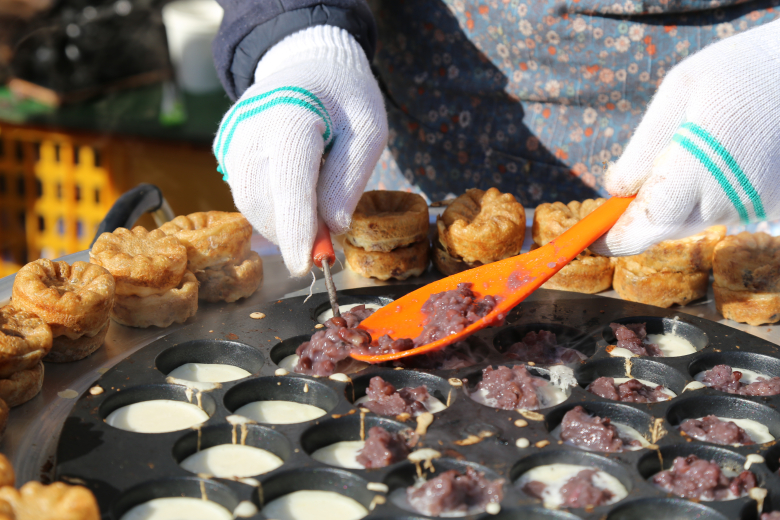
670,272
218,253
477,228
588,273
153,285
746,268
388,237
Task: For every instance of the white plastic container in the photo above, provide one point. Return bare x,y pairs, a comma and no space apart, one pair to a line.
191,26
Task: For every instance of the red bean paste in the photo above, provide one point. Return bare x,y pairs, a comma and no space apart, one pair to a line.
455,492
579,491
447,313
511,388
461,354
726,379
383,399
631,337
692,477
542,348
712,429
591,432
774,515
383,448
631,391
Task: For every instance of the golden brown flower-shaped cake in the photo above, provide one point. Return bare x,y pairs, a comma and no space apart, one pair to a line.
482,226
387,220
24,340
670,272
588,273
746,268
74,300
213,239
231,282
57,501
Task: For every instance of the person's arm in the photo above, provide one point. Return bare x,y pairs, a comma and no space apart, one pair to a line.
708,149
251,27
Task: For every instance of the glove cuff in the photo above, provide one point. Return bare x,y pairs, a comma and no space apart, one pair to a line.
322,44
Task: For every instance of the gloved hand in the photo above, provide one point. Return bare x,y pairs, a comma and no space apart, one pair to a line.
313,93
708,148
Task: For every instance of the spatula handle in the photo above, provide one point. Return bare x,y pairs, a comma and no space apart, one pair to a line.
323,246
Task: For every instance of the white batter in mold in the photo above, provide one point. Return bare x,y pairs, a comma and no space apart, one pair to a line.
757,432
156,416
178,508
671,345
342,454
748,376
314,505
280,412
328,314
621,380
431,404
556,475
231,461
288,363
548,395
208,372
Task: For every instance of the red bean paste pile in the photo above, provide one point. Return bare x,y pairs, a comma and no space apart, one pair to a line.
591,432
631,337
383,448
725,379
632,391
542,348
692,477
447,312
511,388
455,492
774,515
712,429
384,399
579,491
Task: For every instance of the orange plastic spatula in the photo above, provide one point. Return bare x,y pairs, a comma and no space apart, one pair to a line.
511,280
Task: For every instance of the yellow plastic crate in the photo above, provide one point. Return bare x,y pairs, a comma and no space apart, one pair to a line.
55,188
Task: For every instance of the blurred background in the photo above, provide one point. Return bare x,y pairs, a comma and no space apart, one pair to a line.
95,98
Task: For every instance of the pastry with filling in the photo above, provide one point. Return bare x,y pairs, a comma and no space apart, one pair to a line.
388,237
153,285
74,300
670,272
692,477
25,339
383,398
713,429
593,433
629,391
22,386
455,493
542,348
383,448
515,387
57,501
588,273
733,381
571,485
478,228
218,253
746,268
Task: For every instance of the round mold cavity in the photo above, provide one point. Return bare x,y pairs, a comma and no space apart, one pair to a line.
651,463
641,368
615,412
143,393
472,379
405,476
760,363
666,508
577,457
726,406
656,325
287,388
566,337
348,428
218,352
533,513
256,436
347,299
463,354
438,387
318,479
191,487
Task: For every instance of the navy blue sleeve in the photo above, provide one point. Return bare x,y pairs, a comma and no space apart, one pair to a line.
251,27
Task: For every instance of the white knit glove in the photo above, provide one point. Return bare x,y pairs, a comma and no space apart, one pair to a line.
708,149
313,93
